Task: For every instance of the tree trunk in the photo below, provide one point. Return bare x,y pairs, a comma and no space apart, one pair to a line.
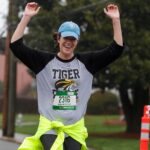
133,109
140,98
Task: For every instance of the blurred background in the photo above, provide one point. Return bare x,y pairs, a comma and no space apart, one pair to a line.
120,90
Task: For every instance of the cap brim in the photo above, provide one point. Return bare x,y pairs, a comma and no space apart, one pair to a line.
68,33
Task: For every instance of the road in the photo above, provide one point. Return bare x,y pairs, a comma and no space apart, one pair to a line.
7,145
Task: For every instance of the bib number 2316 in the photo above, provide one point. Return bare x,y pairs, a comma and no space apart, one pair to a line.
64,100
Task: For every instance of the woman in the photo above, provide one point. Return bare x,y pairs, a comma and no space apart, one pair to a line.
64,81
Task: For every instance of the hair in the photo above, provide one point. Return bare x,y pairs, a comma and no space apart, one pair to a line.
56,36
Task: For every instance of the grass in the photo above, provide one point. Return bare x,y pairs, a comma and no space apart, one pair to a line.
113,144
95,124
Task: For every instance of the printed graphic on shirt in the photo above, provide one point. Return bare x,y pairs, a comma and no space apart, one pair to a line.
66,74
65,95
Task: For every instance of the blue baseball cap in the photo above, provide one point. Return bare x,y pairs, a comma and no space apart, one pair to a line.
69,28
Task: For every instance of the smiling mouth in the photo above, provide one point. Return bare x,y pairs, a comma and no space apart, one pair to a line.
68,46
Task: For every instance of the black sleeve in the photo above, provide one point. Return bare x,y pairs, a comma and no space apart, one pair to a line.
96,60
35,60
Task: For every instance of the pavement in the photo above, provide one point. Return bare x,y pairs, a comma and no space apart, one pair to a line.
11,143
6,145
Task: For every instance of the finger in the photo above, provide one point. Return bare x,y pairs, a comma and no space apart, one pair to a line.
105,11
38,9
110,7
115,7
33,5
37,6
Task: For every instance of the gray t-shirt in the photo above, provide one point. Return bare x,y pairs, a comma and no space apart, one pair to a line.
64,86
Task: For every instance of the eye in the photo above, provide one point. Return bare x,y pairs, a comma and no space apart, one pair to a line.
70,38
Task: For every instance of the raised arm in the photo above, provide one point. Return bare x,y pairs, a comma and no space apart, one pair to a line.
31,10
112,12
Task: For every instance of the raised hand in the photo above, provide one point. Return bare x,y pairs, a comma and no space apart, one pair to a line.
31,9
112,11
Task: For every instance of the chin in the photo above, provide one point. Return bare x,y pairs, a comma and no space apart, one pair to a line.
68,52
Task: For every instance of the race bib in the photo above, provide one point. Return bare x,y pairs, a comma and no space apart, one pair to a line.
65,100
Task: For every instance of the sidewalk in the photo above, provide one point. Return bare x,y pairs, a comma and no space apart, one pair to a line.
11,143
6,145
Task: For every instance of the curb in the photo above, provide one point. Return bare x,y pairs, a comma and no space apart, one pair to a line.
18,138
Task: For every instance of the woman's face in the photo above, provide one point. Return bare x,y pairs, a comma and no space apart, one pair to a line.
67,46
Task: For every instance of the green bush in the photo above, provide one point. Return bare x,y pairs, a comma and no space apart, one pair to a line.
103,103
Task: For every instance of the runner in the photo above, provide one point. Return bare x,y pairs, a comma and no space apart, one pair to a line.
64,81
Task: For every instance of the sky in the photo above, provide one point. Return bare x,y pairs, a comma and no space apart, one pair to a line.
3,15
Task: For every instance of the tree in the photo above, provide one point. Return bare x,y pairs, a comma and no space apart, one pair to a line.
9,92
133,69
135,65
